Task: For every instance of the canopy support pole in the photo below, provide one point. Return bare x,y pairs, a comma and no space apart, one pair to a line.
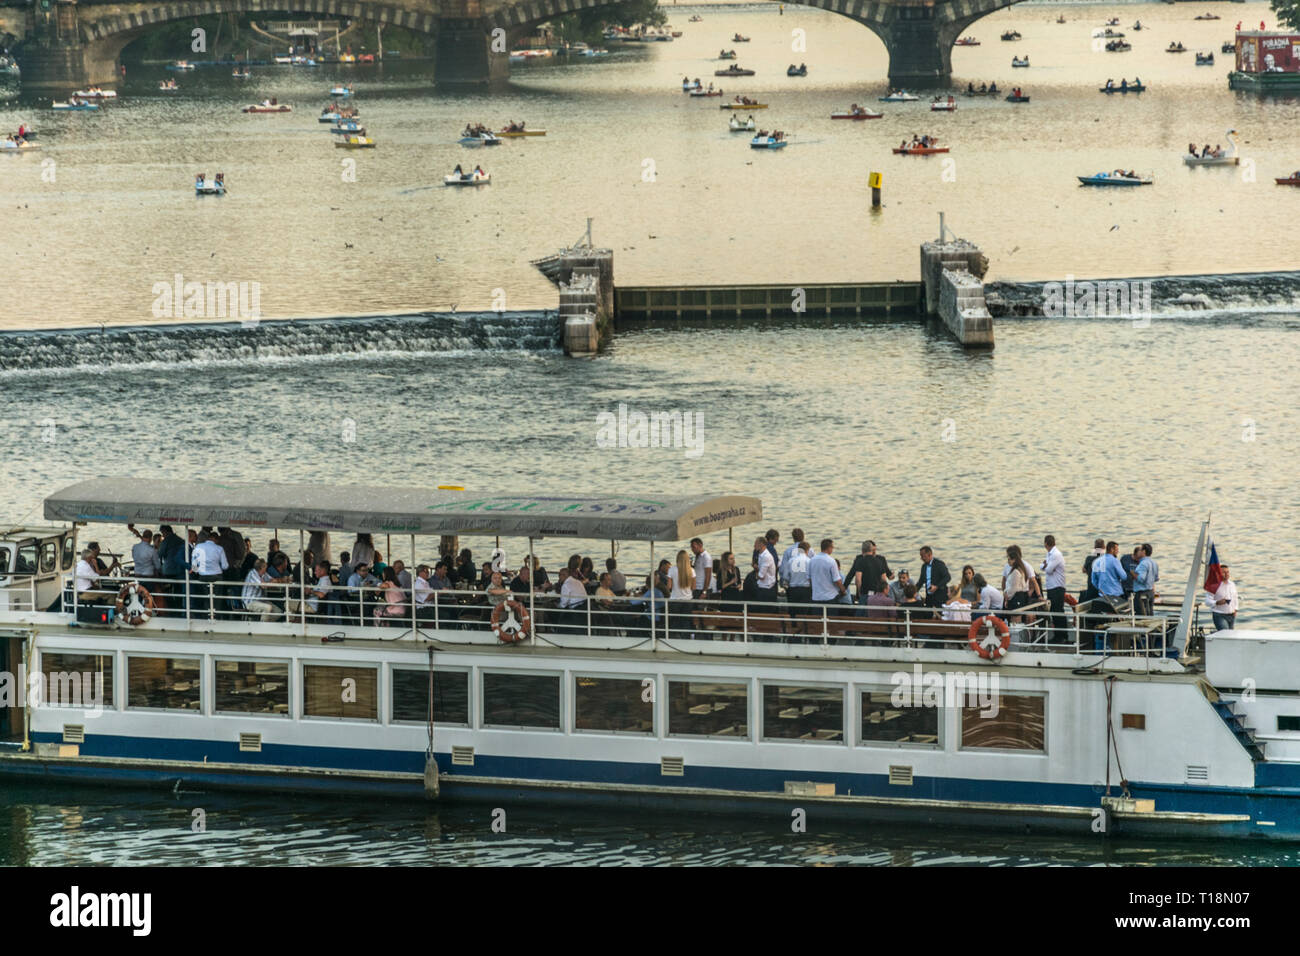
654,583
532,605
413,571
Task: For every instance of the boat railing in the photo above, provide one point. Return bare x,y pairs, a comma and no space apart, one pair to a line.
19,594
558,620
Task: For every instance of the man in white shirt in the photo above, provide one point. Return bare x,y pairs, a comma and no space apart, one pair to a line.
208,562
766,581
1053,568
705,582
1223,603
317,594
824,573
423,593
254,595
784,564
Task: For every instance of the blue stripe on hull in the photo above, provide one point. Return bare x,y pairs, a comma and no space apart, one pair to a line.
1280,806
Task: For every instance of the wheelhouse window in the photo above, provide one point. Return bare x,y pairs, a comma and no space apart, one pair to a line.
26,563
619,705
5,554
411,696
252,687
1016,723
887,719
708,709
49,557
798,712
77,680
162,683
521,700
349,693
69,553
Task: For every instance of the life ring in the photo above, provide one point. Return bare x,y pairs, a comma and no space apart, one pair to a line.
134,604
516,625
986,647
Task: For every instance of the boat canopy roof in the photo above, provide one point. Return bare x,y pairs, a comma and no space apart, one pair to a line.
378,509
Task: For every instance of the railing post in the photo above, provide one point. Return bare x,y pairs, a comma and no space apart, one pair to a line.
1077,651
744,622
825,626
907,627
212,605
588,605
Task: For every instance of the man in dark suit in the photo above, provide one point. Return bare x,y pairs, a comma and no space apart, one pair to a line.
933,579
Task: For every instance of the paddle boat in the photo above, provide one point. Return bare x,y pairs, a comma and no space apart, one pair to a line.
739,39
1118,46
1124,87
355,141
209,187
1175,48
1137,24
180,65
1113,22
14,147
268,106
1292,180
284,60
733,70
898,96
303,61
1116,178
516,130
366,58
474,178
726,54
1207,16
688,86
485,138
856,112
348,128
1015,96
967,41
329,116
1020,63
943,104
1227,48
95,93
766,140
743,103
168,86
1205,59
1060,18
74,105
800,70
347,58
695,18
706,93
1011,35
1109,33
916,149
1222,157
736,126
341,91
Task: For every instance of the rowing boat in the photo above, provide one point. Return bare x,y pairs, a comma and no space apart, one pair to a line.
733,70
75,107
1013,98
1020,63
742,106
899,96
1288,181
268,108
1121,89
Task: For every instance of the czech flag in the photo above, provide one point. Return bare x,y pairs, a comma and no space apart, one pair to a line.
1213,576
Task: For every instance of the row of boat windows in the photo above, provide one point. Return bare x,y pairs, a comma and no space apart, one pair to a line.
601,704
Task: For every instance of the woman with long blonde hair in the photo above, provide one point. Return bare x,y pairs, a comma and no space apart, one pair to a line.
681,576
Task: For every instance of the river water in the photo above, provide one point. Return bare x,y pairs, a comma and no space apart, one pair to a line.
852,429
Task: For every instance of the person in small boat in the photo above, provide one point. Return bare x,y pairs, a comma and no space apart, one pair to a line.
221,179
970,87
198,181
1191,149
993,88
1110,84
1123,84
478,172
1207,152
458,172
1137,81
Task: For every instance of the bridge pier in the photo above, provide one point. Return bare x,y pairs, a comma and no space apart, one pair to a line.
920,50
63,66
465,54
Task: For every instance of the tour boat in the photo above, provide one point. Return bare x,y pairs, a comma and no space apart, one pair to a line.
341,91
1113,179
919,150
736,126
733,70
1131,88
733,105
942,105
74,107
209,187
480,139
967,41
96,94
793,70
1227,157
1011,35
355,141
469,179
516,133
181,65
767,142
1014,98
1133,726
858,114
268,107
899,96
1205,59
1288,181
1018,62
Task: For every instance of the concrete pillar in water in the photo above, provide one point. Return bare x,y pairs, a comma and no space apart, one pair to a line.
952,271
468,54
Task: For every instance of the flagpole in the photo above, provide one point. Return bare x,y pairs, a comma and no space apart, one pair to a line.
1189,594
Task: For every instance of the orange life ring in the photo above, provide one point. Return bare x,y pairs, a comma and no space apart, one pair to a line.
134,612
516,627
982,647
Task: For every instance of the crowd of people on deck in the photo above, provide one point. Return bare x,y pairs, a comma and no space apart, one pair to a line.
218,572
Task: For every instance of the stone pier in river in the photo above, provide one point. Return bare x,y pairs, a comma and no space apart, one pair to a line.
952,271
585,277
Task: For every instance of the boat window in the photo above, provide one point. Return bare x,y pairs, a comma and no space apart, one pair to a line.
77,680
5,554
69,552
795,712
347,692
613,704
1288,722
1016,723
411,696
252,687
26,563
706,708
885,722
49,557
162,683
521,700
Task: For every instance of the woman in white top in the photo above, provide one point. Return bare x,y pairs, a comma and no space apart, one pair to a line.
681,578
1019,585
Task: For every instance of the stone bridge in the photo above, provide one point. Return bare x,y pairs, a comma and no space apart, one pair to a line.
73,44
